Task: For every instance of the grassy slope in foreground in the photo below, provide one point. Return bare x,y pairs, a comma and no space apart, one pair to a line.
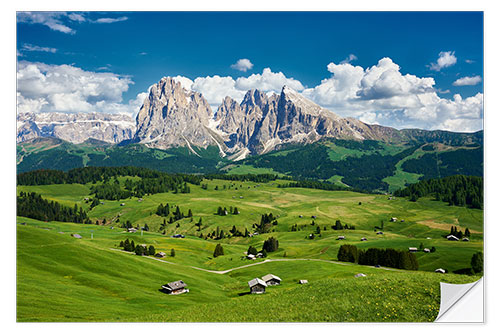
60,278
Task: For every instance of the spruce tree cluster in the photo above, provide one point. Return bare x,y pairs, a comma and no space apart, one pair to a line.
373,256
271,244
458,190
32,205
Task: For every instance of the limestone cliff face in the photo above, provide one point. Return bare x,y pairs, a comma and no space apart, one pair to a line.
75,127
261,123
172,116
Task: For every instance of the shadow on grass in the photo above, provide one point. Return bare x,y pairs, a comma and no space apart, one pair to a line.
244,293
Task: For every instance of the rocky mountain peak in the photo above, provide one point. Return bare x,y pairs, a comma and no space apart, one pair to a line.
172,116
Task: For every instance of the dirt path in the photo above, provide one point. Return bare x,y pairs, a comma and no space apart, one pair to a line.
254,264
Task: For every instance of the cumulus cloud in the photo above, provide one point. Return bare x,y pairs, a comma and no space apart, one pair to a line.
381,94
216,88
349,59
35,48
242,65
268,81
446,59
468,81
65,88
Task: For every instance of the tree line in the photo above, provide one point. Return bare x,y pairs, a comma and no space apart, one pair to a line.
92,174
373,256
458,190
257,178
32,205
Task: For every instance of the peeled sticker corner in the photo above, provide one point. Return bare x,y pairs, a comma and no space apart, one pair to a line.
461,303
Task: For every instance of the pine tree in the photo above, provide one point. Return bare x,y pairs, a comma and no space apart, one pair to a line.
172,253
219,251
467,232
151,250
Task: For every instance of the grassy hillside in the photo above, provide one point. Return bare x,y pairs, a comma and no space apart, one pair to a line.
422,220
60,278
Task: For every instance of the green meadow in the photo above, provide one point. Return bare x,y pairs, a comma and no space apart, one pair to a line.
61,278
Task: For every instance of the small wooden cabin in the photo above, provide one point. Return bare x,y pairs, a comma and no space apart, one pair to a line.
303,281
412,249
257,286
175,288
452,238
271,280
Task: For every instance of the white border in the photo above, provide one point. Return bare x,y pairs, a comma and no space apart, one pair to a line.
7,201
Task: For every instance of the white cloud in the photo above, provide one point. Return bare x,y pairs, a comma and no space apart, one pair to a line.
53,20
446,59
469,61
216,88
111,20
66,88
381,94
35,48
468,81
267,81
349,59
77,17
242,65
185,82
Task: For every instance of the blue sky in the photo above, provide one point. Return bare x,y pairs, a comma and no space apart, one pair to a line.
139,48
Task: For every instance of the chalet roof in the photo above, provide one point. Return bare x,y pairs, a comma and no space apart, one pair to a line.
269,277
465,239
175,285
76,235
303,281
255,282
359,275
452,237
412,249
440,270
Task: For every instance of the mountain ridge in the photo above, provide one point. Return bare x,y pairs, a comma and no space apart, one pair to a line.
172,116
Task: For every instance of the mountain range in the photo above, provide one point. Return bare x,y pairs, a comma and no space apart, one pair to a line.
176,131
172,116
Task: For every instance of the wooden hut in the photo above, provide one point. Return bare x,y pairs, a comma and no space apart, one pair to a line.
175,288
257,286
271,280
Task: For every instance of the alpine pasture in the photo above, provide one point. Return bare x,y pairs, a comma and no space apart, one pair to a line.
61,278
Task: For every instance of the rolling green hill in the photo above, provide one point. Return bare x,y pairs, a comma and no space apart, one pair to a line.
92,279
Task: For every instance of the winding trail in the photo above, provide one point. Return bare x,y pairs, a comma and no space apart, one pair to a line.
254,264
